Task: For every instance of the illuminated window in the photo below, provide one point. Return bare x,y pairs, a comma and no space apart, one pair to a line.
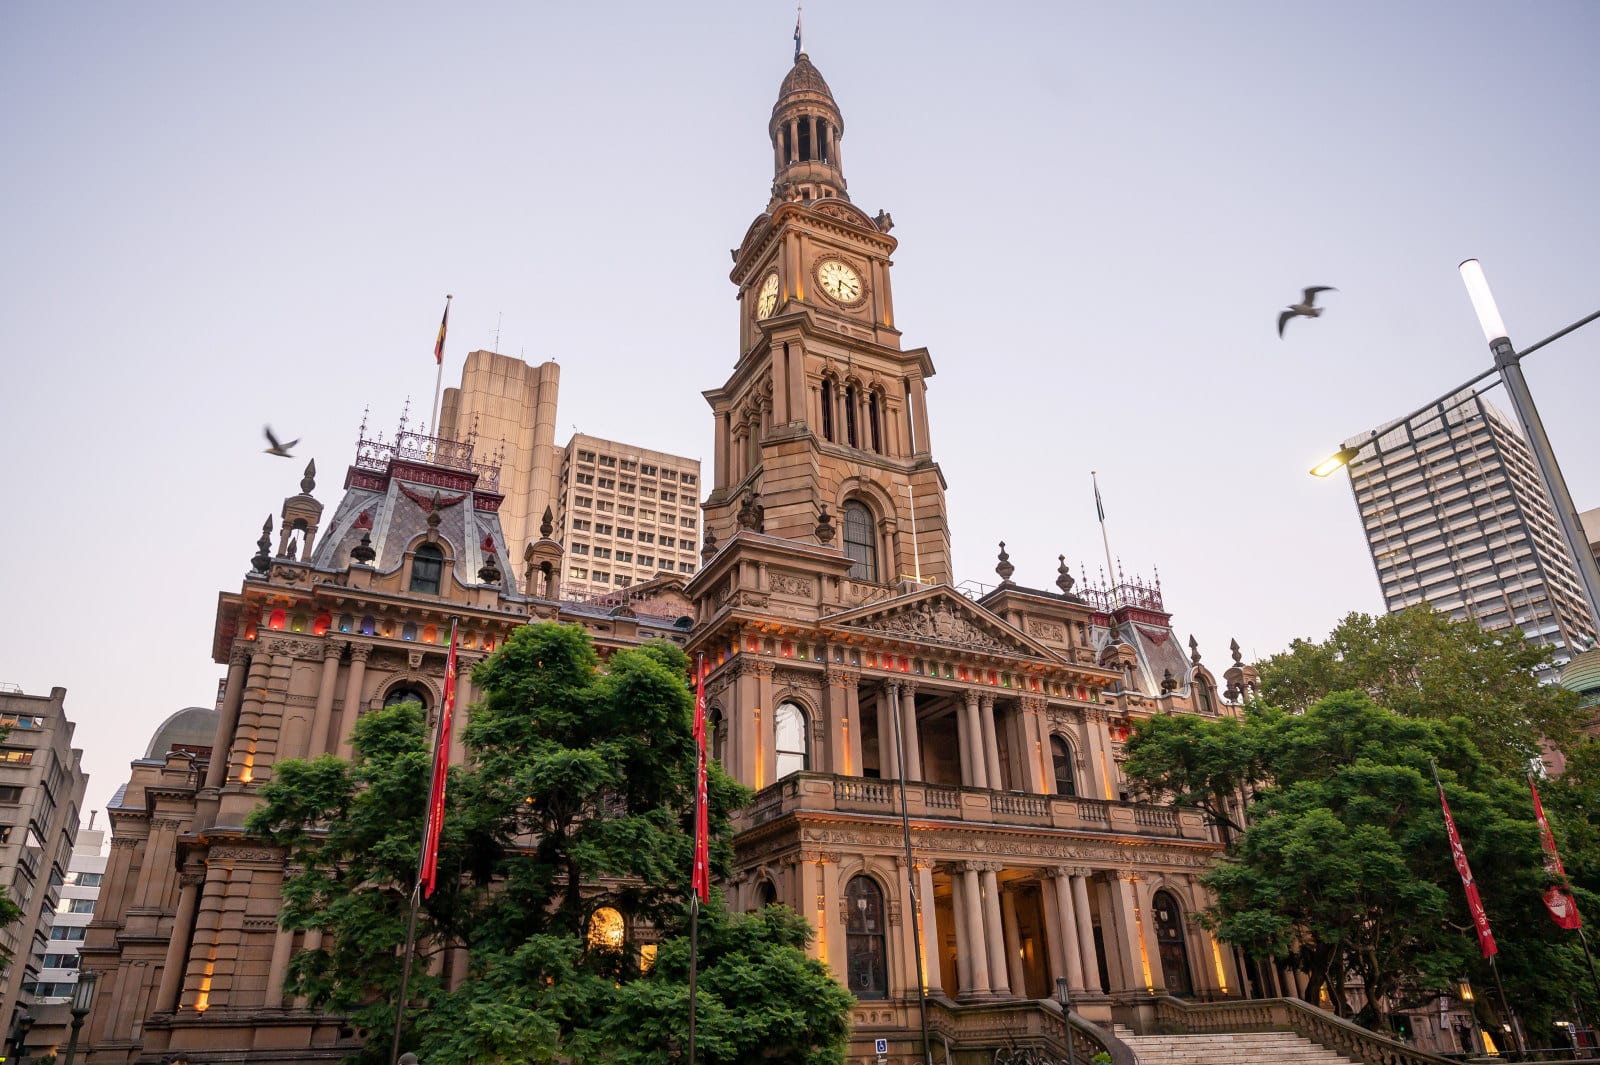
790,725
605,929
866,956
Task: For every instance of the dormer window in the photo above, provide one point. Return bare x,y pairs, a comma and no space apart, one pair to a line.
427,568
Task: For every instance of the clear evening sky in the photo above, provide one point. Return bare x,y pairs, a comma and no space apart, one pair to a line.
216,216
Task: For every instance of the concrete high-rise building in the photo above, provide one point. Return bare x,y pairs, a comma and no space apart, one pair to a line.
625,514
507,409
1456,516
41,796
58,972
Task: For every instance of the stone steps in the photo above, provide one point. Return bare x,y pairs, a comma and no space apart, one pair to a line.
1228,1048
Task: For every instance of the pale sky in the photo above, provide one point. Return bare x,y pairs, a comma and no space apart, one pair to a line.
215,216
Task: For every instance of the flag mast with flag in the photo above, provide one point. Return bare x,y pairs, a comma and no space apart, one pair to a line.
700,879
1100,514
798,47
438,357
433,820
1557,897
1480,917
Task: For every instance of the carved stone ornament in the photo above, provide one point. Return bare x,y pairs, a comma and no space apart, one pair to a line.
1046,630
942,622
243,854
295,648
788,584
289,574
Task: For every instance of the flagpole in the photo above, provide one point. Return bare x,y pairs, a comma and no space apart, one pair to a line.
438,354
701,877
1100,511
694,961
422,861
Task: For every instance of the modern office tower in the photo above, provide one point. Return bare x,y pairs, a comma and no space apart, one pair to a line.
1456,516
507,410
41,793
58,971
625,514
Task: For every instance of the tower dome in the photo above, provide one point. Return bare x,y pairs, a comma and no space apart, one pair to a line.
805,130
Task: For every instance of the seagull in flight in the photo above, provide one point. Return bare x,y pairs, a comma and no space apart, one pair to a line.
1306,308
281,450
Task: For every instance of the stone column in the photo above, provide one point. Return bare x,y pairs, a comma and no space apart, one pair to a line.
332,651
1037,746
1133,955
964,741
1071,948
841,723
313,941
919,415
888,754
991,744
178,944
853,736
993,932
197,978
974,737
1145,919
813,904
958,913
228,720
720,452
352,696
767,753
159,848
282,950
242,748
907,698
972,903
1013,942
930,928
777,151
794,141
458,720
1080,911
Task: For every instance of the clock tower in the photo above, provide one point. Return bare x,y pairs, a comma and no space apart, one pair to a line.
822,428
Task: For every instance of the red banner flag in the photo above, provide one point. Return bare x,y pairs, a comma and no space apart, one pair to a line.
441,770
1557,899
438,345
1480,919
702,834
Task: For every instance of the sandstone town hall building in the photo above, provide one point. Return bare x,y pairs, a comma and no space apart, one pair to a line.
843,661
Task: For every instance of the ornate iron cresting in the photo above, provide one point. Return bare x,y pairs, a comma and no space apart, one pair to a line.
409,446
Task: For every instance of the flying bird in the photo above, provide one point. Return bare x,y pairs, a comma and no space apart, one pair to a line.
1306,308
281,450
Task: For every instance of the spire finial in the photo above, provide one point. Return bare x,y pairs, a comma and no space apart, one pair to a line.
1004,566
309,481
547,524
1194,650
262,559
1063,576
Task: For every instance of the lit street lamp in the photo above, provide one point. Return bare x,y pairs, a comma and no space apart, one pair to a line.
1508,365
82,1003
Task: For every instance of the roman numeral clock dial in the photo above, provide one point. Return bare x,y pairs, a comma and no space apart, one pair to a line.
840,282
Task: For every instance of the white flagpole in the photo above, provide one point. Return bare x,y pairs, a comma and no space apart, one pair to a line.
438,377
1100,512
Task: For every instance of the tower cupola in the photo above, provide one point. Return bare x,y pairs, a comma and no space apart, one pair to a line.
806,128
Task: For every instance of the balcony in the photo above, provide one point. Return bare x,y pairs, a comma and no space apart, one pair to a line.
818,792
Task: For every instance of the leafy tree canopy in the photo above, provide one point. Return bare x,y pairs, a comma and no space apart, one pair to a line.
576,796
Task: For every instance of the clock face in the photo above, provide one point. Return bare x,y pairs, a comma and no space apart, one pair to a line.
840,281
767,298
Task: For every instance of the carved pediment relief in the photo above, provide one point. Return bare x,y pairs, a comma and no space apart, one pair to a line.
945,619
845,212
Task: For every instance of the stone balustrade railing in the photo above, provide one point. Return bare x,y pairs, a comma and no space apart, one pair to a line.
824,791
970,1033
1287,1014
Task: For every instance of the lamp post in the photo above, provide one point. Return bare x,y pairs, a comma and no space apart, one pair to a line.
82,1003
1508,366
1064,996
19,1037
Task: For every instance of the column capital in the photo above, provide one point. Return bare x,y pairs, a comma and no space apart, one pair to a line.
1082,872
971,696
360,652
972,867
985,701
841,677
239,654
333,649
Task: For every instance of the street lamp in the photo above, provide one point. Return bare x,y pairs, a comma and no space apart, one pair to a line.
19,1038
1064,997
82,1003
1509,363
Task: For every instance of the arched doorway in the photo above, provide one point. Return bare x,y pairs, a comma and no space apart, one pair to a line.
866,954
1169,937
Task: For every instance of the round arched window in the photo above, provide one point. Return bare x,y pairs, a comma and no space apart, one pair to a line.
406,693
1061,757
606,930
427,568
790,725
861,542
866,954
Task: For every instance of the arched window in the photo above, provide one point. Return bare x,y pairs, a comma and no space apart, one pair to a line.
427,567
1061,757
1202,692
606,930
790,725
1169,937
861,542
719,736
766,894
866,955
872,422
827,409
850,415
406,693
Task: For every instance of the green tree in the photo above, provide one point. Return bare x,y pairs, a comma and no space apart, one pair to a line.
1419,663
576,796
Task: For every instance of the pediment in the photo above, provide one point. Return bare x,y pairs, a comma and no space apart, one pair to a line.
944,618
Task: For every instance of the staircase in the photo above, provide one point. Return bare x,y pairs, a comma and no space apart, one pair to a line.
1228,1048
